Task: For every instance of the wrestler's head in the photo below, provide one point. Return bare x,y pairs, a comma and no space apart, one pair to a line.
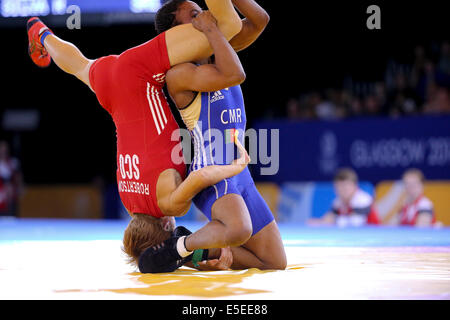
175,12
345,183
413,180
143,232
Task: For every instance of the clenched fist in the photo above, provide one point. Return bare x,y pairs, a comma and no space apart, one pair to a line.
204,22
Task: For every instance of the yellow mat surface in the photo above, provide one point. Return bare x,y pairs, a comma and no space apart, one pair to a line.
97,270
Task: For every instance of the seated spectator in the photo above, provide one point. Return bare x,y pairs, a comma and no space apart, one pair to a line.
352,206
10,181
3,198
438,100
372,105
444,60
418,210
355,107
324,108
293,109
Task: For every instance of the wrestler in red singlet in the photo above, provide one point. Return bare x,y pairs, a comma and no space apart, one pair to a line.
129,86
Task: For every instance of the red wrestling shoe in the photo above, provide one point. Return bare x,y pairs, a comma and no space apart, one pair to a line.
37,52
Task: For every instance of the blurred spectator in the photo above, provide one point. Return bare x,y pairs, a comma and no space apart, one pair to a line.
356,107
293,109
402,97
417,210
302,108
438,100
402,105
408,89
352,206
324,108
380,94
372,105
444,61
425,80
10,181
343,104
418,64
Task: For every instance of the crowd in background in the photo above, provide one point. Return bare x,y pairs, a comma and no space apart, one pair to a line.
421,87
11,183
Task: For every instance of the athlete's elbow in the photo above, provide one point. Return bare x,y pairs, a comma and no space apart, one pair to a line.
241,76
265,18
262,21
173,209
237,78
201,178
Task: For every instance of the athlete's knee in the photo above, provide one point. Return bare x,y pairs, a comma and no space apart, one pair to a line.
275,260
230,27
237,236
228,20
279,263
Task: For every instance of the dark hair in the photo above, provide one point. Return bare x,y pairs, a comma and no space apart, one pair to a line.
345,174
165,16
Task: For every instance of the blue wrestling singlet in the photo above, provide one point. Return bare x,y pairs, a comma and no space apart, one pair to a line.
213,118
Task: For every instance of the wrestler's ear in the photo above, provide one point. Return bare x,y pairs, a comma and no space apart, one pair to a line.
166,224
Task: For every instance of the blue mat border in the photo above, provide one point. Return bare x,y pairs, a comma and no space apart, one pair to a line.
13,230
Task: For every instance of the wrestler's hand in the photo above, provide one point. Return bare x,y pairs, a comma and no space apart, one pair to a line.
244,158
204,22
223,263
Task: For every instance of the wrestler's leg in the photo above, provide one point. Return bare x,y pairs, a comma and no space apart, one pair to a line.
264,250
68,57
266,244
186,44
230,225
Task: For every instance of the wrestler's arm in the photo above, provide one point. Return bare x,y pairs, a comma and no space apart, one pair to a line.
185,43
254,23
175,203
227,71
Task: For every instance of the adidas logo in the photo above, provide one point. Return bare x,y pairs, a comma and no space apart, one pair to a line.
216,96
160,77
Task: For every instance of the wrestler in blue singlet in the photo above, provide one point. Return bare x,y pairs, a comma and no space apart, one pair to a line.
223,111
